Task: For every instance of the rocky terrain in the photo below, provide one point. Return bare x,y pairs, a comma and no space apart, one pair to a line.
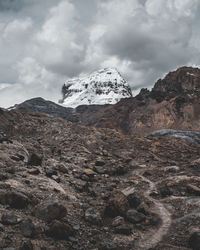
66,186
173,103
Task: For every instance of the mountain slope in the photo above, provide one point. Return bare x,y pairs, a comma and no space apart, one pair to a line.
105,86
174,102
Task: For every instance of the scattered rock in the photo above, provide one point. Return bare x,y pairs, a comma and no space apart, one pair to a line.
60,230
118,221
50,172
14,199
89,172
27,228
26,245
100,163
135,217
34,171
10,219
50,211
35,160
194,241
134,200
165,191
123,229
117,205
99,169
93,216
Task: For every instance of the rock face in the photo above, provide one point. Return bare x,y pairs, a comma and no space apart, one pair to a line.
105,86
173,103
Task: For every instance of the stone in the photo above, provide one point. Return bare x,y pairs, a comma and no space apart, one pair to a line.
123,229
99,169
89,172
3,176
118,221
60,230
100,163
10,219
26,245
63,169
135,217
34,171
116,205
93,216
134,200
14,199
27,228
49,211
50,172
117,170
194,241
165,191
35,160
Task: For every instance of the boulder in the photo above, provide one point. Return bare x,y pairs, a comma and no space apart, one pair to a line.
14,199
135,217
49,211
35,160
194,241
117,205
60,230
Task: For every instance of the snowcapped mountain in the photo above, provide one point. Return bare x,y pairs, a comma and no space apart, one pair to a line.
105,86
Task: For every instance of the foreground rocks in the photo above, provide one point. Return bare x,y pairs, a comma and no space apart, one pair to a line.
63,186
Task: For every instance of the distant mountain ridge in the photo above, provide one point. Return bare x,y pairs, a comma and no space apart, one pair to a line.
105,86
173,103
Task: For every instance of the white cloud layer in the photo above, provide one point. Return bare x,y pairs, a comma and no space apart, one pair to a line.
43,43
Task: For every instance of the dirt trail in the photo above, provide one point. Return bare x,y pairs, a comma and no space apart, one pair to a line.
152,238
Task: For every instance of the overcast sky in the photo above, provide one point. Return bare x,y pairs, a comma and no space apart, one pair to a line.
45,42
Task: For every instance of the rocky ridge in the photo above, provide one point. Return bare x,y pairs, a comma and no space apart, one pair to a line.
173,103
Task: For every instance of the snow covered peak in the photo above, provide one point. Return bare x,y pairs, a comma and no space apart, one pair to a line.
105,86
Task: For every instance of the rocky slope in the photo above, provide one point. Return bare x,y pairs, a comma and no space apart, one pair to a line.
105,86
173,103
64,186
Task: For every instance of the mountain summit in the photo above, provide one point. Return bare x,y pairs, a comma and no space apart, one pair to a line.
105,86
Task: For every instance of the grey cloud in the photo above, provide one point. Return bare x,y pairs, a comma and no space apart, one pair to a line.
45,42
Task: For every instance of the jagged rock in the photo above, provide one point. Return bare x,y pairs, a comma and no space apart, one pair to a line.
60,230
35,160
123,229
99,169
93,216
10,219
50,172
165,191
14,199
135,217
35,171
50,211
194,241
26,245
118,221
99,163
27,228
134,200
117,205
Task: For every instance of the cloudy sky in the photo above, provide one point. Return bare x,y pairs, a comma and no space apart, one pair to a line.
43,43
